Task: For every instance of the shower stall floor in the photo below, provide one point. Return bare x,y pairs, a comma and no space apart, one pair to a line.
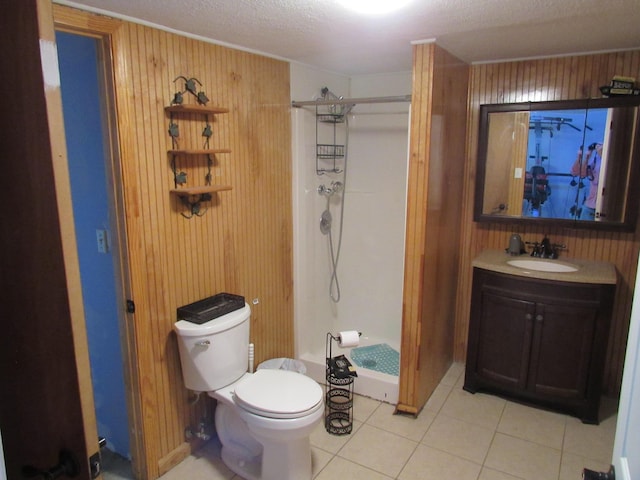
380,357
376,384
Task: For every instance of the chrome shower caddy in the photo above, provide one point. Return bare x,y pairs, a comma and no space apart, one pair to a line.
327,154
338,396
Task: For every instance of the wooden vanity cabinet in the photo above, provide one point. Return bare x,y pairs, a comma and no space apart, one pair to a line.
539,341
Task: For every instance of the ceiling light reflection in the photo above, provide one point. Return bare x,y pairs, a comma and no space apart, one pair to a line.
374,7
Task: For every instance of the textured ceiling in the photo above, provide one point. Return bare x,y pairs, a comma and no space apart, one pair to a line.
324,34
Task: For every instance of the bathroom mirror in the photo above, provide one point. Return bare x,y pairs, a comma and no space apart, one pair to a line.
571,163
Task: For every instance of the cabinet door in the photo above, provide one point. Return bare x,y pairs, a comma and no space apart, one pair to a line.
504,340
561,352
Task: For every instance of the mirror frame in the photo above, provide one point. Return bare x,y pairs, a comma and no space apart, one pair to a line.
628,224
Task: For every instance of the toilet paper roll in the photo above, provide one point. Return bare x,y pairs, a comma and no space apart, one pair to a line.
349,338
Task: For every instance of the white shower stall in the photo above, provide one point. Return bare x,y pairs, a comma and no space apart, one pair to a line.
370,265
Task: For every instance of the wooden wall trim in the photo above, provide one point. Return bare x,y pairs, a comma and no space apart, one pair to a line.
100,27
79,20
415,229
540,80
436,161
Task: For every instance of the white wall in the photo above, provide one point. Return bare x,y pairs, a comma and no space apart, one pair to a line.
370,268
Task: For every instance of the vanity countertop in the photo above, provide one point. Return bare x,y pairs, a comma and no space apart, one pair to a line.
588,271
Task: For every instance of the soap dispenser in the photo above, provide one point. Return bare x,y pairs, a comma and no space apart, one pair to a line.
515,245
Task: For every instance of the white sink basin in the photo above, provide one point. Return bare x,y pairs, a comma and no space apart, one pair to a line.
541,265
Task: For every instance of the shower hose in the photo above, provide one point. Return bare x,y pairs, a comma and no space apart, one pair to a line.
334,284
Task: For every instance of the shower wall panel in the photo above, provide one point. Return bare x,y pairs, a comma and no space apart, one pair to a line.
370,266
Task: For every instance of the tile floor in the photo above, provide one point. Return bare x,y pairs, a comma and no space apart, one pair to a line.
457,436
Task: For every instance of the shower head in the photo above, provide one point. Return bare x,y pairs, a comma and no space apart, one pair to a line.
338,108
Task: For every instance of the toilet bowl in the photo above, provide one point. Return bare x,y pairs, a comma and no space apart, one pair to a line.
263,419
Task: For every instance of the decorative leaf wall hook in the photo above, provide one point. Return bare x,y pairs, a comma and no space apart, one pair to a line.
202,98
181,178
174,130
177,99
190,85
194,204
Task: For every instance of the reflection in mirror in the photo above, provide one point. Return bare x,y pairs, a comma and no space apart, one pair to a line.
564,163
559,162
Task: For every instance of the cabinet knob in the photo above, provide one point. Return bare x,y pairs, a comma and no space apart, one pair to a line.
539,317
528,316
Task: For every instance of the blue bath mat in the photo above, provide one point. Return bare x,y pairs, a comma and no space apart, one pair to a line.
380,357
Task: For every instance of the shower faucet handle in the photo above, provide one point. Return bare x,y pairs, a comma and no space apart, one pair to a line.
335,187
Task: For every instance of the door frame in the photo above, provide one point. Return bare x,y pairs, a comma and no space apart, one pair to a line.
102,28
629,406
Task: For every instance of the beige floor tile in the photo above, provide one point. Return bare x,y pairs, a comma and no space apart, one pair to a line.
572,465
438,398
379,450
363,407
456,370
319,460
427,462
404,425
449,440
320,438
490,474
522,458
340,468
205,464
480,409
533,424
591,441
459,438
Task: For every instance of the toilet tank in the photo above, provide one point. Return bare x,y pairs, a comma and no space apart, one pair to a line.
214,354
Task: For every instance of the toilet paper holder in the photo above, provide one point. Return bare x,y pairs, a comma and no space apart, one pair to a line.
339,386
345,339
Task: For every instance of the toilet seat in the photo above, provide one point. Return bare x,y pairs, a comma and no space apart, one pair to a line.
278,394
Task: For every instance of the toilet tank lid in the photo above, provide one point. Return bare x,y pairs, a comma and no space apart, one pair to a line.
187,329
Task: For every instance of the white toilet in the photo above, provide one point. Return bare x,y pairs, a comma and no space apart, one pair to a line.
263,419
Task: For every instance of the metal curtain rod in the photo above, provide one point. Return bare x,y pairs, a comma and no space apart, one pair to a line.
351,101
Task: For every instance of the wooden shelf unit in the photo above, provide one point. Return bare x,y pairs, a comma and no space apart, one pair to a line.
193,196
202,109
190,191
198,151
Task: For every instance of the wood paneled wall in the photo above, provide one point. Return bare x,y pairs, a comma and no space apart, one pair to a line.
562,78
241,245
436,164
